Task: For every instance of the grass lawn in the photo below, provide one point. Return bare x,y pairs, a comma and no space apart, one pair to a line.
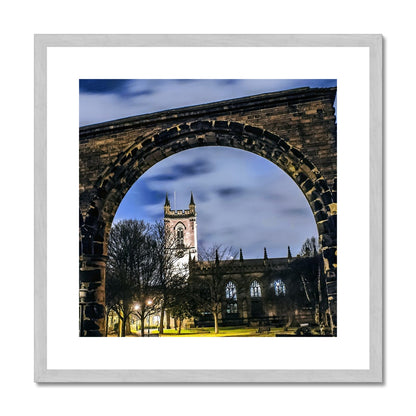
232,331
229,331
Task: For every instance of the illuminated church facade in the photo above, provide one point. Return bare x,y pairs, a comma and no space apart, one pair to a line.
272,291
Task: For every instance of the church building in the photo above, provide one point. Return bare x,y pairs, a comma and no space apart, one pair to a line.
271,291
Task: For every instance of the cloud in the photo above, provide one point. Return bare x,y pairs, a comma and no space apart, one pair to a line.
164,177
104,100
197,167
230,192
229,81
136,94
182,170
100,86
295,212
185,81
139,197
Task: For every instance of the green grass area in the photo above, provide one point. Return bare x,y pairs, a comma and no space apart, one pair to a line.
229,331
232,331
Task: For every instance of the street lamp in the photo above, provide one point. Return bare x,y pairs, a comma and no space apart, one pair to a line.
136,308
149,303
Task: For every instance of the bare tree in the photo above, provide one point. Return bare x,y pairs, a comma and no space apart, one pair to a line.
130,268
309,248
210,288
308,272
143,309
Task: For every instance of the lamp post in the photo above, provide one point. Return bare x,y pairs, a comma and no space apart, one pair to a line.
136,308
149,303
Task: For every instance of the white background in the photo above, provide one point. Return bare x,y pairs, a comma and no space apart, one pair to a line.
23,19
350,350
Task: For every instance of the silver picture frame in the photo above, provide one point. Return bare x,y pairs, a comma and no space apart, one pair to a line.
374,374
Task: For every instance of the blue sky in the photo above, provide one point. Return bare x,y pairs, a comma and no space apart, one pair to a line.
242,200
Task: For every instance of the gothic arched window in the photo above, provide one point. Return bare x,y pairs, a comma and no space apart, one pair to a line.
179,237
231,297
255,290
230,291
279,288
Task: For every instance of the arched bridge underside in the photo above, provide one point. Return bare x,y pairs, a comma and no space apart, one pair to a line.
294,129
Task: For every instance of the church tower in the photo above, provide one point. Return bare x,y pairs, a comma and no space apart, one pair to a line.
181,224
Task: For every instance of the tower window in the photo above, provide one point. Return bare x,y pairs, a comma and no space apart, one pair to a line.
255,290
279,288
179,237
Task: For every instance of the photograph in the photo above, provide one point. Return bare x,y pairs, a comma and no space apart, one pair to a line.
207,208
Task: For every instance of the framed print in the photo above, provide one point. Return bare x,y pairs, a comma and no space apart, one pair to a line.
208,208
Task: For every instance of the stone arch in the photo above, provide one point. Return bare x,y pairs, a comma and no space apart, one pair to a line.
101,198
115,181
180,223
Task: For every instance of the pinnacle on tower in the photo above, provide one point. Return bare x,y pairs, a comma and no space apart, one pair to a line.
289,254
167,202
217,260
192,205
265,254
241,255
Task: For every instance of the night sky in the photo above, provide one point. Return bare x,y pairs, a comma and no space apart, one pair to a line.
242,200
